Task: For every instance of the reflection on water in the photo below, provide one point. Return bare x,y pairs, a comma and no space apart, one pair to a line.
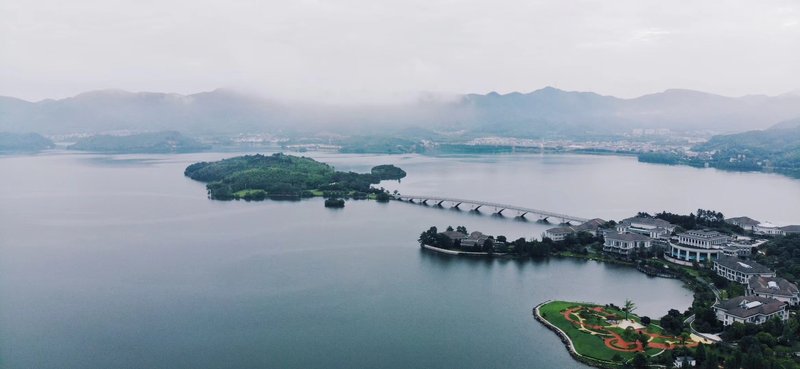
121,259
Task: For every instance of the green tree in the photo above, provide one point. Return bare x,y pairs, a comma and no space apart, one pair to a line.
639,361
628,308
700,353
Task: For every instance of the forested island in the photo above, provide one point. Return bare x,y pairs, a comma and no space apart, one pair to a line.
23,142
150,142
257,177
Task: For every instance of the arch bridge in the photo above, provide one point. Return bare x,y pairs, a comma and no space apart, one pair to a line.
498,209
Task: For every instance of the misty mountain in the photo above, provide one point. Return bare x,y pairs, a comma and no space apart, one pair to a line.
787,124
116,110
554,110
23,142
546,112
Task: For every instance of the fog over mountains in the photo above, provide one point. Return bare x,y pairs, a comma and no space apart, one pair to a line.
541,113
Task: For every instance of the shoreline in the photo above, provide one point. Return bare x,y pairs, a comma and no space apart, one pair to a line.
568,342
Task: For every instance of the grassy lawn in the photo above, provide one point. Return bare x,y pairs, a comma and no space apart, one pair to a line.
593,345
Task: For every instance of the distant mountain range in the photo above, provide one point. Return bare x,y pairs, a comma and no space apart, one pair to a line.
548,112
23,142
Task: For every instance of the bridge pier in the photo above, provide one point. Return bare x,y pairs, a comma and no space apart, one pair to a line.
498,209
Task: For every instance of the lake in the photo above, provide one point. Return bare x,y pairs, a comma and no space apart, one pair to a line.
119,261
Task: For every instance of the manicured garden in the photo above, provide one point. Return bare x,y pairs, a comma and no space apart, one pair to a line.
604,333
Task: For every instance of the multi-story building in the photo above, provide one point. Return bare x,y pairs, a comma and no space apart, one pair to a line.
740,271
703,239
750,309
773,287
696,246
650,227
558,233
625,244
747,223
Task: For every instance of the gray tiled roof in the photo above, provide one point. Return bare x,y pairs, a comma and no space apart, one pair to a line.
651,221
743,220
591,224
703,233
453,235
626,237
760,284
558,230
791,229
735,306
743,266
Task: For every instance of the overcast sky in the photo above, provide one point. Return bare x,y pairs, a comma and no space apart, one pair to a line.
370,50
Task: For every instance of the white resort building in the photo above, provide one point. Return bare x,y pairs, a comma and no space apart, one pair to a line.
774,287
591,226
750,309
558,233
747,223
703,239
740,271
650,227
768,229
697,246
625,243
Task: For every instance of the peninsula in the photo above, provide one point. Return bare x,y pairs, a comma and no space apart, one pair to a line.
257,177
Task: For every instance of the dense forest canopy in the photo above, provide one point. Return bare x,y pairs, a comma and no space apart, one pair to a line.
388,171
282,175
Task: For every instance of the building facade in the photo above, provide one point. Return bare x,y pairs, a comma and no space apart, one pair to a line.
624,244
558,233
774,287
750,309
747,223
738,270
703,239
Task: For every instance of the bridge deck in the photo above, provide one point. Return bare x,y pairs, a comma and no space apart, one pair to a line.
544,213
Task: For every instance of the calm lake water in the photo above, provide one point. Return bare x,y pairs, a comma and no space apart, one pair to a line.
122,262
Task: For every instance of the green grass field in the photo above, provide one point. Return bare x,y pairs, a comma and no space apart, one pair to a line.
585,343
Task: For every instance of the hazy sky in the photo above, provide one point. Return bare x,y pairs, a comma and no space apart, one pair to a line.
370,50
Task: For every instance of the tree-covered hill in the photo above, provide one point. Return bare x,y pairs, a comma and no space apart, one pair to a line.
279,175
23,142
771,148
151,142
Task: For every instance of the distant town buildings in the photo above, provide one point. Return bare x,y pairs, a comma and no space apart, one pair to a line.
750,309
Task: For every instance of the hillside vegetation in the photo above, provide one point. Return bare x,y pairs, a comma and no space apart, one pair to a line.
151,142
259,176
22,142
